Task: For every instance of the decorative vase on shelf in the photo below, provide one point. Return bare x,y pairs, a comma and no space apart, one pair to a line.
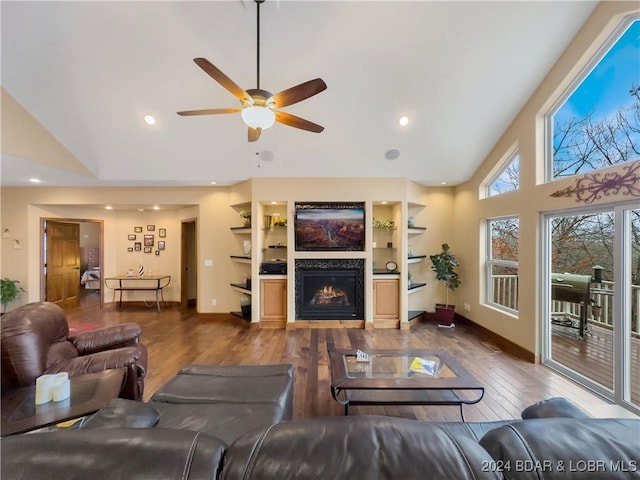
246,247
141,271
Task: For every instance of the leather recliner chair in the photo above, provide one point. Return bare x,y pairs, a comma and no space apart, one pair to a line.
35,341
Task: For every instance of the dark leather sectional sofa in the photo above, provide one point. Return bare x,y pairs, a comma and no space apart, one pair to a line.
233,423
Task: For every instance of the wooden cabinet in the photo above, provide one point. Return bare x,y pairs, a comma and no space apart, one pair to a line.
273,302
386,302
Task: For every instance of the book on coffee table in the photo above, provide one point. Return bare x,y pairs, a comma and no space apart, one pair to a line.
425,365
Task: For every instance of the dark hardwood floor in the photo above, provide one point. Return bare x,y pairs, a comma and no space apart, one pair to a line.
176,337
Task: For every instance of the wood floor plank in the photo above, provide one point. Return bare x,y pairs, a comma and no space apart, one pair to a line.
176,338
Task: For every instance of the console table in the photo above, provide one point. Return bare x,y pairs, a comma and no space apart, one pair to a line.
146,283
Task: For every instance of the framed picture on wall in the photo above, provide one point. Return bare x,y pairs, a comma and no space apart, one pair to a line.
151,228
132,236
162,232
137,229
137,246
147,249
129,249
161,245
148,240
157,252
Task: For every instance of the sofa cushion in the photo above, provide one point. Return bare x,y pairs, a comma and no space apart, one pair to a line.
559,448
132,454
239,370
554,407
226,421
123,413
360,447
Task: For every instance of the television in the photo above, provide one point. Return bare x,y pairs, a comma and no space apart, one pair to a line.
329,226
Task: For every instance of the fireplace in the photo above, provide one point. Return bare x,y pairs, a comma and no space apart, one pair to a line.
329,289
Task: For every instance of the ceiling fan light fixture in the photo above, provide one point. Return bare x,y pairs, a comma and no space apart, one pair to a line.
258,117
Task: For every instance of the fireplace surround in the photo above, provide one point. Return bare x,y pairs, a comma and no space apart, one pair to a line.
329,289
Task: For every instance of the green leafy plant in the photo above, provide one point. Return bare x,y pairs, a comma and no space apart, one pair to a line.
383,223
245,214
9,291
444,264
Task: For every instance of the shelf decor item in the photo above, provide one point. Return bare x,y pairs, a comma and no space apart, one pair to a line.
247,218
444,265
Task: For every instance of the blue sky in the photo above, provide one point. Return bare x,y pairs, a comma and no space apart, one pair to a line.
607,86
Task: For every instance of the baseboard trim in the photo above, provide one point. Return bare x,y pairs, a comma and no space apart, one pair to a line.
499,341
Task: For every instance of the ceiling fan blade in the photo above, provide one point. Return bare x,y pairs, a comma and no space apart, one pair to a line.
299,92
222,79
208,111
297,122
254,134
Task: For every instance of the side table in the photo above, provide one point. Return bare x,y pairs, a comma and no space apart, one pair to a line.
89,393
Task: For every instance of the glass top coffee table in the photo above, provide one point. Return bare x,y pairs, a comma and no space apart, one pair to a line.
401,377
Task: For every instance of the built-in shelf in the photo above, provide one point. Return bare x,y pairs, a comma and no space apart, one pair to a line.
241,258
416,258
414,287
386,272
239,314
242,287
275,227
416,230
277,246
385,228
244,230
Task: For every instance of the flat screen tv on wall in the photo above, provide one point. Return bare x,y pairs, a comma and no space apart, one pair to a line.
329,226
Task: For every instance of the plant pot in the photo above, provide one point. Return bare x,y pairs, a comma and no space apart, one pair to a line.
445,314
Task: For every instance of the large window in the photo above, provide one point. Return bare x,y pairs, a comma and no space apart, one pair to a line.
502,263
596,124
507,179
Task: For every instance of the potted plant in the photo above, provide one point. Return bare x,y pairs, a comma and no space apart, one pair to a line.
444,264
9,291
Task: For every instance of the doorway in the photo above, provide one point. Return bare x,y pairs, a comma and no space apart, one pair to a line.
71,260
593,299
188,265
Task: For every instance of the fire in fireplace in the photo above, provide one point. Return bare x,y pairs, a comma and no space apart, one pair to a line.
331,289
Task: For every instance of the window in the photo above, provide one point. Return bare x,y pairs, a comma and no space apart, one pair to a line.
596,124
507,179
502,263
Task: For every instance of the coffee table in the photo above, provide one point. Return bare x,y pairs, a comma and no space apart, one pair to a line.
89,393
388,379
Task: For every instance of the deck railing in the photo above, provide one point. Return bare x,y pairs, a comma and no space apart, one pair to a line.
600,312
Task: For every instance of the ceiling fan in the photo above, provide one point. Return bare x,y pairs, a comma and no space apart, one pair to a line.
260,108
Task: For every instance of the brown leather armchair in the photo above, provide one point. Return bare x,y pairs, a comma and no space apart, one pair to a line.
35,341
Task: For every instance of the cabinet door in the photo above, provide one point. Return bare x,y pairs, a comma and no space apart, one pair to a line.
386,303
273,299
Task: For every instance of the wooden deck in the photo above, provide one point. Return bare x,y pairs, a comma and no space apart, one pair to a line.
175,338
592,356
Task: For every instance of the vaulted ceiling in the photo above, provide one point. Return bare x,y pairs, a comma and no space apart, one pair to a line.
78,78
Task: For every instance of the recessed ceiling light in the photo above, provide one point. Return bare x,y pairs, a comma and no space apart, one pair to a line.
214,183
156,207
108,207
35,180
149,120
403,121
274,203
443,183
384,203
